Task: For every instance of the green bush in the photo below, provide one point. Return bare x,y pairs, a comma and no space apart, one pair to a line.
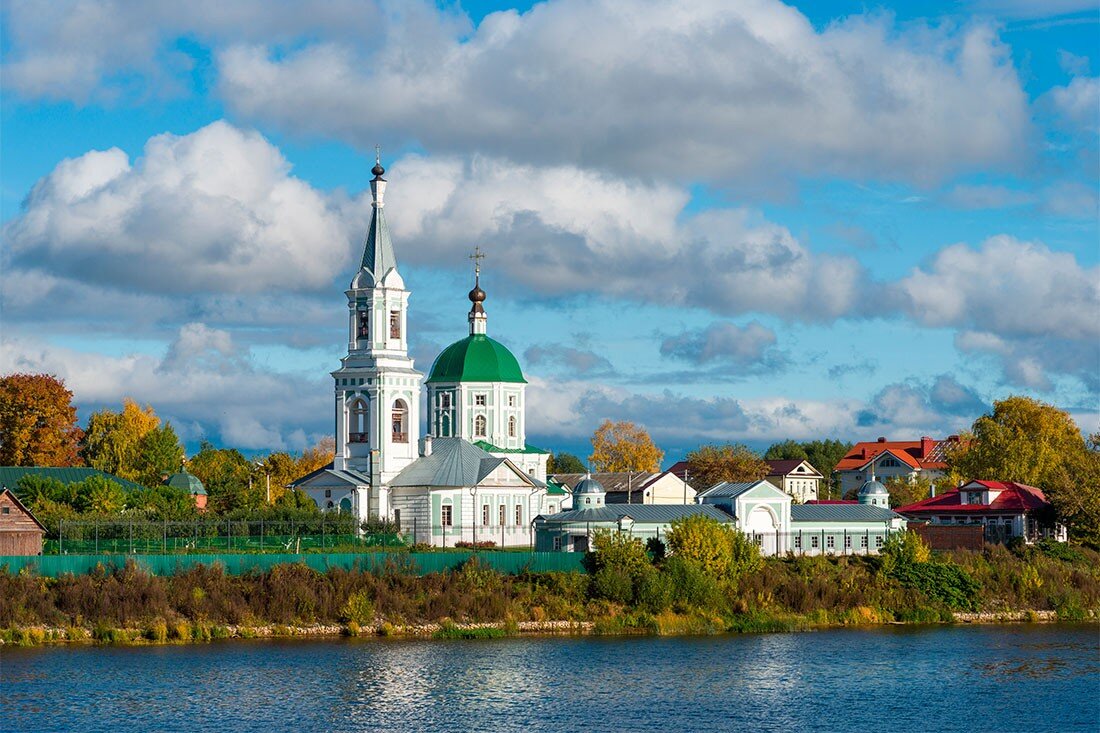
358,608
940,581
617,551
653,591
613,584
691,586
716,548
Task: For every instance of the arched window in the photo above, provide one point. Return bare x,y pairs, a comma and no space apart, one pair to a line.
519,515
400,422
395,324
501,518
512,426
363,329
479,426
445,426
484,515
359,419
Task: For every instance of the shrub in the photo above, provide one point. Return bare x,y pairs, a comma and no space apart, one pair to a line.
716,548
479,545
905,548
617,551
940,581
653,591
655,548
613,584
691,586
358,608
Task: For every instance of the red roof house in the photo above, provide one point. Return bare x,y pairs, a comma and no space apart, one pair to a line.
1006,509
888,458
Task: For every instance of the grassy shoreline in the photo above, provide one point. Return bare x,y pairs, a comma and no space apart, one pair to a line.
667,625
666,596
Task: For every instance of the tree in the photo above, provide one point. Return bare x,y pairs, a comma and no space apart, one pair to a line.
788,450
318,456
159,454
99,494
37,422
905,491
710,464
624,446
564,463
1031,442
113,441
717,548
225,474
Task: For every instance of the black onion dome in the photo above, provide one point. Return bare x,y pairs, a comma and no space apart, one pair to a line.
477,295
378,170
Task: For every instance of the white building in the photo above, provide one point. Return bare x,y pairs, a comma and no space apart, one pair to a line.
444,490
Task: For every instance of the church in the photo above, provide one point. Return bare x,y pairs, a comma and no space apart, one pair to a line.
472,477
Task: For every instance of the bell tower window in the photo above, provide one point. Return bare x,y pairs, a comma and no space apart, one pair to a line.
512,426
395,324
400,422
479,426
358,431
363,327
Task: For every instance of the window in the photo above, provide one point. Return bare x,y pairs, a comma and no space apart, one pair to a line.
328,493
397,519
357,427
400,420
445,400
364,325
557,544
445,515
863,542
830,542
479,400
484,515
813,542
395,324
552,509
479,426
878,541
519,515
511,400
500,516
847,542
445,427
758,539
587,500
512,427
5,510
798,542
329,504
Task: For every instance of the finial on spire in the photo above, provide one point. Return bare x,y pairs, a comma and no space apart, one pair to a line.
377,170
477,296
477,257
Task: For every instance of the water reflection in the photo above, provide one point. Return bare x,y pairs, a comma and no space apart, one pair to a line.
871,680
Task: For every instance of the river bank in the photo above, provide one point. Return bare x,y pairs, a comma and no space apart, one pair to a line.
662,597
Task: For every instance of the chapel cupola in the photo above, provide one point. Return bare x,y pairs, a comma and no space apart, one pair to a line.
477,297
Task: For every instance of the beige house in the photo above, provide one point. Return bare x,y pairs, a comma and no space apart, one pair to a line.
797,478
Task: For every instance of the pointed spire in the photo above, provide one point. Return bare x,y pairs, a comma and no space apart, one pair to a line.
477,297
378,256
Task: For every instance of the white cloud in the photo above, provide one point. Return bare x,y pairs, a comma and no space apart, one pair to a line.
715,90
723,342
1078,104
205,384
213,211
1007,287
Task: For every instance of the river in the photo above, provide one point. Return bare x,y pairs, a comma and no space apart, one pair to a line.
956,678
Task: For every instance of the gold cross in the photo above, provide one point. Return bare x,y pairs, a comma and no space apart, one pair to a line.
477,257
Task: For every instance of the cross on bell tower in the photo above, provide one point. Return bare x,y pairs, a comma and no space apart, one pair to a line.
477,297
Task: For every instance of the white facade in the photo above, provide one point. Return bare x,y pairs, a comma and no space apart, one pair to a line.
802,482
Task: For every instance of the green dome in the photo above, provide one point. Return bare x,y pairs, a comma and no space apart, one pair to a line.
476,358
186,481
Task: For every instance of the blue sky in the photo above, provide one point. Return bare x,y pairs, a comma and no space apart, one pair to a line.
726,222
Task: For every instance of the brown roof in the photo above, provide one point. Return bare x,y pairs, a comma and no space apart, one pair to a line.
611,482
782,467
20,505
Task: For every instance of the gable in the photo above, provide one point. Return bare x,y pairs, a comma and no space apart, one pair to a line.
329,479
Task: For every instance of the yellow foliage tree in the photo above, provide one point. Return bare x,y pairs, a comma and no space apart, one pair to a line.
624,446
710,464
112,442
717,548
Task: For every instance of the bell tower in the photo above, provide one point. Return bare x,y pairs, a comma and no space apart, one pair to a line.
377,388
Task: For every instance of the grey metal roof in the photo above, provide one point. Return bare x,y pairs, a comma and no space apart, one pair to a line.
588,486
378,256
640,513
841,513
872,487
453,462
730,489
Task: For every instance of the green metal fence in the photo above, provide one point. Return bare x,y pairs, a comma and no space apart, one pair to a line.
420,563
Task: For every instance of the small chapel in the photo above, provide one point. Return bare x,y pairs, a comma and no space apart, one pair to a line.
471,477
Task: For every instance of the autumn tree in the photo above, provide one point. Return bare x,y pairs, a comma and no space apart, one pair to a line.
37,422
132,444
905,490
624,446
711,464
225,473
563,462
716,547
1030,442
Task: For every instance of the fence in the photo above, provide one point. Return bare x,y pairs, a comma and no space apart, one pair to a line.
483,535
418,563
325,532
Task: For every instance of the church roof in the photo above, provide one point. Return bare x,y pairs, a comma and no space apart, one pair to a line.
453,462
841,513
189,482
486,445
378,256
476,358
640,513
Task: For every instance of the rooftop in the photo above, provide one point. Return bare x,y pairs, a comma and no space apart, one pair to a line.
1010,497
476,358
640,513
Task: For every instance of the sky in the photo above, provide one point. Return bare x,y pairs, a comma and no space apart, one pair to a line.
724,221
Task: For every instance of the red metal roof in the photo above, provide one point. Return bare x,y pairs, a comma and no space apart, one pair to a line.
832,501
1013,498
923,453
